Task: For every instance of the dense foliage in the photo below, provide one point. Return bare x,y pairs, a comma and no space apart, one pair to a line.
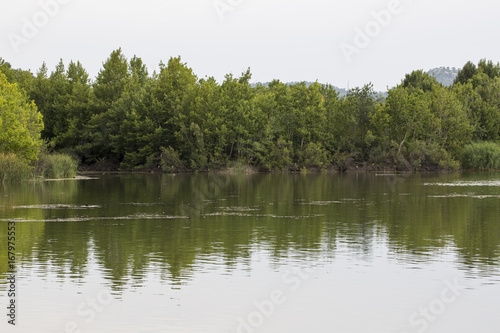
481,156
173,121
20,122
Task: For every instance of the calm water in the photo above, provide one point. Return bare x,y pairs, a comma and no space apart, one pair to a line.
258,253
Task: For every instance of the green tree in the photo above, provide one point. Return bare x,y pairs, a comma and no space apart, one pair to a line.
361,105
23,78
404,117
79,108
138,70
466,73
41,94
207,109
489,68
452,127
474,106
108,89
173,95
481,99
239,115
5,67
111,79
20,122
56,111
419,80
132,132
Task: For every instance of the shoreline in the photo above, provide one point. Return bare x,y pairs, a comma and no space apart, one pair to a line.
364,167
377,172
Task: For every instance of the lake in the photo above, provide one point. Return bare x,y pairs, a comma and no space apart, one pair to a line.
254,253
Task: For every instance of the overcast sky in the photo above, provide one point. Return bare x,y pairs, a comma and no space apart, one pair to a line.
337,42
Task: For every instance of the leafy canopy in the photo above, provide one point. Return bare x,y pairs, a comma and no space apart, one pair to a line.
20,122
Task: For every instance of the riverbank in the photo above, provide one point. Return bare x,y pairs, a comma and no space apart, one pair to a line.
247,169
60,167
476,156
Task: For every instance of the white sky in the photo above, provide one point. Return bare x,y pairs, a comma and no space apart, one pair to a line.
292,40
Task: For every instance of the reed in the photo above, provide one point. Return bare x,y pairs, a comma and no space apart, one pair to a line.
14,168
56,166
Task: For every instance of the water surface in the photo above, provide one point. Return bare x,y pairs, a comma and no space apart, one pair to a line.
255,253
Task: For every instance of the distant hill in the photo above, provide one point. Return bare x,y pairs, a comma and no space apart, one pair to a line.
341,91
444,75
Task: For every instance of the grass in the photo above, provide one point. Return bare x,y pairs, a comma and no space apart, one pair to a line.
56,166
14,168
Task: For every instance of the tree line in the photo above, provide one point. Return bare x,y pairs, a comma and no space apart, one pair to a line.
172,120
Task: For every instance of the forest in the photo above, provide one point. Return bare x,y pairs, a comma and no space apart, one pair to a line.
172,121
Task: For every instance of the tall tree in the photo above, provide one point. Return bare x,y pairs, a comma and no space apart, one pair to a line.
466,73
20,122
404,117
79,108
111,79
419,80
173,95
453,128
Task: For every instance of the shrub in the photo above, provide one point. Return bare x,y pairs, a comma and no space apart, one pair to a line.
345,160
57,166
170,161
430,156
415,156
14,168
481,156
383,155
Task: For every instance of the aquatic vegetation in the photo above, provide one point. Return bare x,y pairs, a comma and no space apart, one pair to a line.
14,168
57,166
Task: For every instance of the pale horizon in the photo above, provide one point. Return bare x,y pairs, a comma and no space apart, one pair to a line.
340,43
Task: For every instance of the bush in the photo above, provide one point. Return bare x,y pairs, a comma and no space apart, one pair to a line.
481,156
385,155
430,156
170,161
345,160
415,156
57,166
14,168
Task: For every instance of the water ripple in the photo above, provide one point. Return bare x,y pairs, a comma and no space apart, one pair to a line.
86,219
56,206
